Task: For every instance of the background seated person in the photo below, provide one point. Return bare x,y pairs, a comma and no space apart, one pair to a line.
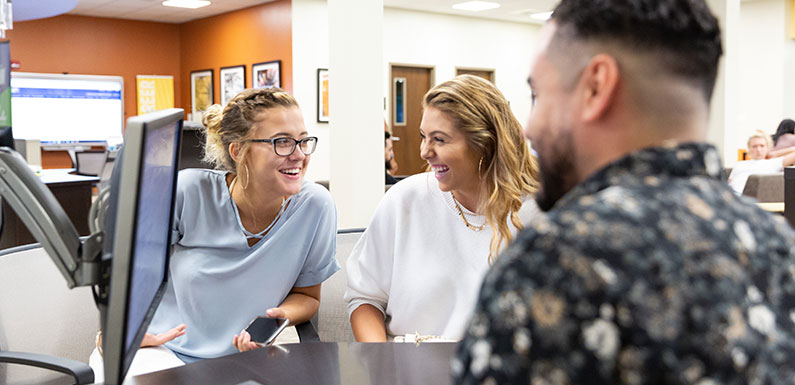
251,237
418,266
389,159
784,136
758,149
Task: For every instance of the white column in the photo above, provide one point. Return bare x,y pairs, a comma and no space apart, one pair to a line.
723,123
355,103
789,62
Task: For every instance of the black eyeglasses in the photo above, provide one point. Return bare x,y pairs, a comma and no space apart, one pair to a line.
286,146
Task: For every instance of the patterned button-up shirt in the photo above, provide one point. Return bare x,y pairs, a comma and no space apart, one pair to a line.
651,271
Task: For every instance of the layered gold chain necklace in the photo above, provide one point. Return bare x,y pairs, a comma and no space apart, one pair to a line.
463,218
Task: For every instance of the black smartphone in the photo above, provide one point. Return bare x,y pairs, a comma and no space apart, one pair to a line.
264,330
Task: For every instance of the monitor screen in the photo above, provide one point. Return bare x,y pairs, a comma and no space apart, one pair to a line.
6,137
90,163
145,184
67,109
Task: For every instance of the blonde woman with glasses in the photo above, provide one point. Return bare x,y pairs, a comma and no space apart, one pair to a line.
251,237
416,271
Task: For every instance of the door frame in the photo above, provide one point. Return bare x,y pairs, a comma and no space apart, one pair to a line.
467,68
390,102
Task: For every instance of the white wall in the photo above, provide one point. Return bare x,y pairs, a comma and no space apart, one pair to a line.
310,52
762,43
357,142
447,42
756,88
725,99
442,41
789,65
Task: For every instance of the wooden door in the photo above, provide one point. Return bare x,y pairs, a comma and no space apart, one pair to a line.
408,86
485,74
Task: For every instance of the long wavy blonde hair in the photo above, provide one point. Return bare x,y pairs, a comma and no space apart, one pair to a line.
508,171
232,124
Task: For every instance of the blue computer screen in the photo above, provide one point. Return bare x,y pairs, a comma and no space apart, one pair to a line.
152,225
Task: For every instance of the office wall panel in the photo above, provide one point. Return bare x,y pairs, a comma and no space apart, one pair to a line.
98,46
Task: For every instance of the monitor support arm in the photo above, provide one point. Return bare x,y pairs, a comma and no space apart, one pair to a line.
36,206
79,262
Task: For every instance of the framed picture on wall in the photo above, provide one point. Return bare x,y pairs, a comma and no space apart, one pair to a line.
233,80
267,74
322,95
201,92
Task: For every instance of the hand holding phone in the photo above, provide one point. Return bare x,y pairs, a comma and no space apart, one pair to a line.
264,330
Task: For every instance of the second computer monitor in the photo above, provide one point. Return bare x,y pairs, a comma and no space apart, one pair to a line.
6,137
144,203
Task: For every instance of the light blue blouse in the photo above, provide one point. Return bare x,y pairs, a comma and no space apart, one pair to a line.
216,283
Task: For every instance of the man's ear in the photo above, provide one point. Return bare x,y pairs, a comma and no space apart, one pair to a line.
600,79
234,151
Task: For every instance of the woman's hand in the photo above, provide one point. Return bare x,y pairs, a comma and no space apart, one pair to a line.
159,339
243,341
276,312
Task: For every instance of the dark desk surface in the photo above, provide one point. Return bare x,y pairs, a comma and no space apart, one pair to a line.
318,363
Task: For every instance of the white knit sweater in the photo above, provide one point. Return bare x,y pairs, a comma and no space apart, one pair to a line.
419,263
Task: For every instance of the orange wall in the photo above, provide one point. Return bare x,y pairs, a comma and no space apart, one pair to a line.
99,46
252,35
103,46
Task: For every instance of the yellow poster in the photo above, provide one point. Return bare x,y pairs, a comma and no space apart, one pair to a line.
154,93
792,19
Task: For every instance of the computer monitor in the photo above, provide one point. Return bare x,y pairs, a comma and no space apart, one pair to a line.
90,163
192,147
64,111
143,188
6,137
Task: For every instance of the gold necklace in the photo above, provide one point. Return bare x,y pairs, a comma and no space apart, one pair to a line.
463,218
262,233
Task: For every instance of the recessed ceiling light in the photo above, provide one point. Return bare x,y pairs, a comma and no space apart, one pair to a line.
476,6
192,4
543,16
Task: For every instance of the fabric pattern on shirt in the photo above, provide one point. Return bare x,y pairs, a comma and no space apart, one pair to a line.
652,271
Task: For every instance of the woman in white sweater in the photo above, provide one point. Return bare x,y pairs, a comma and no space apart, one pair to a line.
416,271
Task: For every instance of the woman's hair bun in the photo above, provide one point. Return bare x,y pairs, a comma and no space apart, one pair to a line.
212,118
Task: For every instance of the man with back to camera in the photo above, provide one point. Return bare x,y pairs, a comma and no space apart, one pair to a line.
758,150
648,269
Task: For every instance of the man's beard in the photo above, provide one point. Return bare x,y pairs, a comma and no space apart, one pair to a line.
557,173
388,165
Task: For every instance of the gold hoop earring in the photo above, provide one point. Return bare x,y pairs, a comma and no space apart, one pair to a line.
480,164
246,184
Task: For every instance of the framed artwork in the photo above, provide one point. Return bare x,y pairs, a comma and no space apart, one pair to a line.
201,92
233,80
267,74
322,95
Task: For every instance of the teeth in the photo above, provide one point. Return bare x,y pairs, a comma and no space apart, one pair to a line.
290,171
439,169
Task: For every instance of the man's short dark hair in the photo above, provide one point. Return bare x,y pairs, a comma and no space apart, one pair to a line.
684,33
